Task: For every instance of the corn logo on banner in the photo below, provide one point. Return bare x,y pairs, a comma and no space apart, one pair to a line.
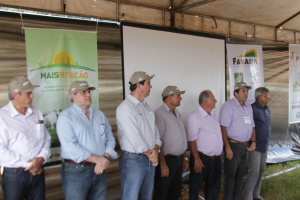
294,83
56,58
245,65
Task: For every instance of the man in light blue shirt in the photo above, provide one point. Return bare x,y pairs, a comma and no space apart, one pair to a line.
139,140
87,145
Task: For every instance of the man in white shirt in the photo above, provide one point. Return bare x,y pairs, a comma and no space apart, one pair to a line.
24,143
139,140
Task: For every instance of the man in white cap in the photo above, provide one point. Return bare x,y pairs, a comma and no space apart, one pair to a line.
24,143
139,140
172,156
237,126
87,145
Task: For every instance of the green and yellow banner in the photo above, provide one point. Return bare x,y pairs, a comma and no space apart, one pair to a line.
245,65
56,58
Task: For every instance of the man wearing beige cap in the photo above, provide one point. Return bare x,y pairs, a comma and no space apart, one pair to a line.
172,156
24,143
139,140
237,125
87,145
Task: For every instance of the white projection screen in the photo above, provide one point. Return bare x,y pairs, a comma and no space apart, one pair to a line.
191,62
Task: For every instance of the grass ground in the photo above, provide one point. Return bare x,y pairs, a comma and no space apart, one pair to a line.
285,186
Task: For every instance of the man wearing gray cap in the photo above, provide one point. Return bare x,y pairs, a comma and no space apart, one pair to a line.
139,140
24,143
172,157
87,145
206,145
237,125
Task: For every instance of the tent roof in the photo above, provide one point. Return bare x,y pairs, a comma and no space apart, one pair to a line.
273,13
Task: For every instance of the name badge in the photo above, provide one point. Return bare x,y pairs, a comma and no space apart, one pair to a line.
247,120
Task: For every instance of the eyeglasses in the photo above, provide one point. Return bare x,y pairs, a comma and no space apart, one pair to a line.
86,92
267,96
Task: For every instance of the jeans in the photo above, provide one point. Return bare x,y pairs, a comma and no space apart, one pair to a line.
234,172
18,184
80,182
211,174
137,176
257,166
169,187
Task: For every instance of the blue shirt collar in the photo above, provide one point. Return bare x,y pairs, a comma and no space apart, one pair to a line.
259,105
81,111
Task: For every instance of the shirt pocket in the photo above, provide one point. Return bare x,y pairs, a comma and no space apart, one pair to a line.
40,131
101,130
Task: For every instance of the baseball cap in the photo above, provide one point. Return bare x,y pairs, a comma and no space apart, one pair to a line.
21,84
77,86
139,76
241,85
169,90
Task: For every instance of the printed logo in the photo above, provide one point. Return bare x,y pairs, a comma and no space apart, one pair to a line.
63,59
247,58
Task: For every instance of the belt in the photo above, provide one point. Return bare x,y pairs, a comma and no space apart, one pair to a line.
141,154
237,142
85,163
206,156
14,168
172,156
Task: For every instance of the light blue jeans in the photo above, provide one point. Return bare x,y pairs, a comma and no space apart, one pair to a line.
80,182
137,176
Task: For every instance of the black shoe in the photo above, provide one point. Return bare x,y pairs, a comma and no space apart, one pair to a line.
258,198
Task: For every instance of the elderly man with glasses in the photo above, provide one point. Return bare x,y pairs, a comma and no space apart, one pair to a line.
87,145
257,159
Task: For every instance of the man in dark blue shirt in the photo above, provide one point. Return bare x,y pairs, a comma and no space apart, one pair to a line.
257,159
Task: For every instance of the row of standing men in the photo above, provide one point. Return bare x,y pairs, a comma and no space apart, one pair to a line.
153,144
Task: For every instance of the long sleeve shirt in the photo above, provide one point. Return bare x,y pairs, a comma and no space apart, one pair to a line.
205,129
171,130
137,131
22,137
80,137
262,126
237,119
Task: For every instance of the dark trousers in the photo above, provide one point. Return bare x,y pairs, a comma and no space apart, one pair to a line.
211,174
18,184
169,187
234,172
